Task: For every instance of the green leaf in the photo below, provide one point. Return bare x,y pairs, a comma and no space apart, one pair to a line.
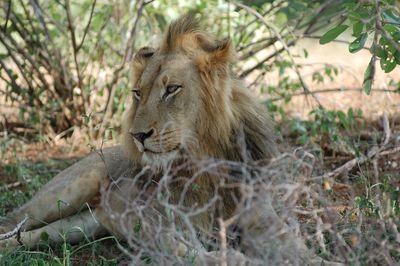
379,52
390,17
397,57
305,53
369,76
388,64
332,34
367,85
343,119
350,113
44,236
358,43
3,56
357,28
391,28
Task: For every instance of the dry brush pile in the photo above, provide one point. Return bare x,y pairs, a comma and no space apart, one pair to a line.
292,207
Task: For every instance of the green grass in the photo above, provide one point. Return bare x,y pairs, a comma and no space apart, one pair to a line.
32,177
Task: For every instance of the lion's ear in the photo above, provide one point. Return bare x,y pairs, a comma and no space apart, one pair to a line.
140,61
218,55
222,52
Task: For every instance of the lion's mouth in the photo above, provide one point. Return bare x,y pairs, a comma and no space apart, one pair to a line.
176,148
161,152
159,160
154,150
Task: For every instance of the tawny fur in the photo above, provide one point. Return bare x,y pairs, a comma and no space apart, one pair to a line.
230,124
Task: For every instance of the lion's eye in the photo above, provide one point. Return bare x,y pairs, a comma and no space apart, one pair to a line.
137,94
172,90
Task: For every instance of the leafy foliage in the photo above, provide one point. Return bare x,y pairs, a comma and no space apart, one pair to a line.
64,64
381,21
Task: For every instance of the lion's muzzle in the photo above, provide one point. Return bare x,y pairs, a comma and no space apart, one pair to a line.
140,137
153,142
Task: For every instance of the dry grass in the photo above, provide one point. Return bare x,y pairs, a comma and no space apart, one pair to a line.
352,218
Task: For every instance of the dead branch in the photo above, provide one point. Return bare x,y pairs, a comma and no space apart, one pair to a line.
356,161
14,185
222,235
246,72
374,152
8,12
15,231
17,63
338,41
390,151
386,129
332,90
255,50
75,50
79,46
285,47
274,6
127,56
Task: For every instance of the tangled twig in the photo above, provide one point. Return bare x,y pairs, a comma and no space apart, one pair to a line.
374,152
15,231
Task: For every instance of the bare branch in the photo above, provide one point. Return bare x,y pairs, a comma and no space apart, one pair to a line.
372,153
127,57
15,231
386,129
246,72
71,29
87,26
332,90
285,47
7,6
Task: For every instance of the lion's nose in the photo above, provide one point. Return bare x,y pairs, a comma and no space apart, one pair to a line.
142,136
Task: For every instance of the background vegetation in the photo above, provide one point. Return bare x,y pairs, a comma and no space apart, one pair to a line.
64,74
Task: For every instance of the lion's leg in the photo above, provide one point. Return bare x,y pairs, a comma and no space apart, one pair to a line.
68,191
60,200
72,230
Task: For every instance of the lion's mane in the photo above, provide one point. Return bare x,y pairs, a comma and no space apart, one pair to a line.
232,124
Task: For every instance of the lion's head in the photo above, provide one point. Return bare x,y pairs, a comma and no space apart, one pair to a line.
185,100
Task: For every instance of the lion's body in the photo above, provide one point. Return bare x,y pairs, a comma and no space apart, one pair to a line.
208,115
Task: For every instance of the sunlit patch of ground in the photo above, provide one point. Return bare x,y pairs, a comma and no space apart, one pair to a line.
345,90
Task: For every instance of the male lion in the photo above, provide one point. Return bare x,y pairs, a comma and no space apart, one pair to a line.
187,109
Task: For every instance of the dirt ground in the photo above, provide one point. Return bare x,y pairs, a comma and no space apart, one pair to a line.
351,72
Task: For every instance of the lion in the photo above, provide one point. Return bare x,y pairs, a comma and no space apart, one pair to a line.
187,107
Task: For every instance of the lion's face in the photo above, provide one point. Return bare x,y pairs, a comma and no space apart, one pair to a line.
181,97
165,107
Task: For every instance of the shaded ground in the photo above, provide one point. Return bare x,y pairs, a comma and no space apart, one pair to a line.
27,169
18,182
